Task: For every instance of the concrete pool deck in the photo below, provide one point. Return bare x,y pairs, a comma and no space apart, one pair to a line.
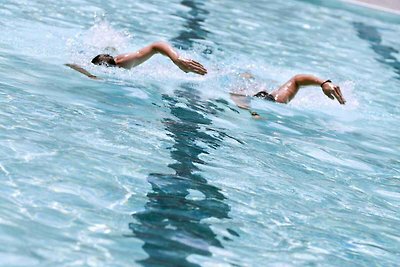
392,6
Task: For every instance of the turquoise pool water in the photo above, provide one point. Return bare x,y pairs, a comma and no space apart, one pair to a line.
154,167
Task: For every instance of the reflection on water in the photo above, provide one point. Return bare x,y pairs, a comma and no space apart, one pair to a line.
193,24
171,225
385,52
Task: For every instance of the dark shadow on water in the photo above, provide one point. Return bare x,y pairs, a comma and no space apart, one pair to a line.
172,224
385,53
194,19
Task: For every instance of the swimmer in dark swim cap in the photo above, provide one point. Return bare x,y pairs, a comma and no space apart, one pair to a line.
286,92
130,60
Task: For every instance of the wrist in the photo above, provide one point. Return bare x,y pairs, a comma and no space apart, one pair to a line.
176,58
325,82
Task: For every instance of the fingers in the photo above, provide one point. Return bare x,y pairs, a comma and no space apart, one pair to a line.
197,67
196,63
336,92
340,97
200,70
329,94
197,70
337,96
189,65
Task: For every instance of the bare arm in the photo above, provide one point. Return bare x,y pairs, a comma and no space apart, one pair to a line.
130,60
243,102
82,70
288,91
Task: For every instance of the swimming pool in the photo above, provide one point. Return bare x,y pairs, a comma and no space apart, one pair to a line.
153,167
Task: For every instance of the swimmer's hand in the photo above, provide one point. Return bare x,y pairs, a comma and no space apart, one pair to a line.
255,115
189,65
333,91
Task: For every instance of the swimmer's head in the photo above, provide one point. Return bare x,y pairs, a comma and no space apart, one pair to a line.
104,60
262,94
265,95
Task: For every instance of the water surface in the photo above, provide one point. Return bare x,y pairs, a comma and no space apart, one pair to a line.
154,167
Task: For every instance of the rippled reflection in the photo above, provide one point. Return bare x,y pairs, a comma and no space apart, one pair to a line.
193,24
172,225
385,52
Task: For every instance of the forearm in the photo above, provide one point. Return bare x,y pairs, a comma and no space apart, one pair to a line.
240,100
243,102
81,70
305,79
166,50
328,88
286,92
130,60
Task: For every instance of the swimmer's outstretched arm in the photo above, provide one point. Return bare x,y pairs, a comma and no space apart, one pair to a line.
288,91
82,70
243,102
130,60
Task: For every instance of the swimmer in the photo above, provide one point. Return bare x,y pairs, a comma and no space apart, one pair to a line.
286,92
130,60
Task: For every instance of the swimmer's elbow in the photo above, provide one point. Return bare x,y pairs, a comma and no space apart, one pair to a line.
299,79
159,47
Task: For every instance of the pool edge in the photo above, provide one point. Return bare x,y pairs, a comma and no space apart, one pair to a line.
375,6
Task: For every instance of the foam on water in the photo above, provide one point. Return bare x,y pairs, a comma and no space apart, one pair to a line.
101,38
